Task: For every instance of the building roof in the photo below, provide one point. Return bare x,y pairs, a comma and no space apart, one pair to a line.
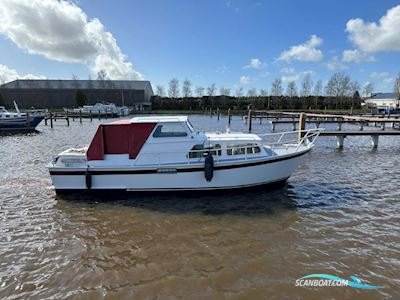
159,119
383,96
77,84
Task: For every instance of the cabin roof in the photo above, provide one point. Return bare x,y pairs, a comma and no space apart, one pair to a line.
159,119
232,136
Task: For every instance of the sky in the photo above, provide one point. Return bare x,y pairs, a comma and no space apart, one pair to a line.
232,43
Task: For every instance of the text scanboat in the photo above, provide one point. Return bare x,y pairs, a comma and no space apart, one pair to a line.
167,154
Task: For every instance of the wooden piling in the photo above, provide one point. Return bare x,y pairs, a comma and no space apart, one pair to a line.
51,120
67,118
91,116
218,113
229,116
80,116
99,115
210,112
302,125
249,119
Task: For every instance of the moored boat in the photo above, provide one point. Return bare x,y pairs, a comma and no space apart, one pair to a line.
167,154
17,121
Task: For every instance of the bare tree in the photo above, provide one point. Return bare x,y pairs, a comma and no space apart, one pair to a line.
199,91
306,85
291,90
102,75
318,88
223,91
368,89
354,87
396,88
187,88
75,81
252,93
276,89
239,92
160,91
211,90
173,88
338,85
263,93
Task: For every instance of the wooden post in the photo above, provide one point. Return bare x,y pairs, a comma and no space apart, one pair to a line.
249,119
383,126
302,125
91,116
229,116
375,139
45,120
99,115
73,116
210,112
28,123
67,118
51,120
218,113
351,111
80,116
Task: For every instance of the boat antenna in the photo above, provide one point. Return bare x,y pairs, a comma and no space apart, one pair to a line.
16,107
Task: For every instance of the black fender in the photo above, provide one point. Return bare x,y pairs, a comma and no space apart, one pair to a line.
209,167
88,178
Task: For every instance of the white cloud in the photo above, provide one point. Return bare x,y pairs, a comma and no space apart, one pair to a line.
335,64
61,31
287,70
304,52
244,80
384,77
7,75
222,69
375,37
295,76
255,63
357,56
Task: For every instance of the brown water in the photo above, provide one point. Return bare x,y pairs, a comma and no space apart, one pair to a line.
338,214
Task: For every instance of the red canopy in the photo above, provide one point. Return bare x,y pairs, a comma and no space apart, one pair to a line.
119,138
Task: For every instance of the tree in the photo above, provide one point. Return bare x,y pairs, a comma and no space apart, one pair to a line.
173,90
368,89
263,93
102,75
291,90
199,91
276,89
75,80
354,87
338,85
80,98
211,90
318,88
252,93
223,91
160,91
239,92
187,88
306,85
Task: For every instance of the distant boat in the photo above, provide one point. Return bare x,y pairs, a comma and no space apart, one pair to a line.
17,121
101,108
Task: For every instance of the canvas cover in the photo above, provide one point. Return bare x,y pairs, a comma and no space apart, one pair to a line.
119,138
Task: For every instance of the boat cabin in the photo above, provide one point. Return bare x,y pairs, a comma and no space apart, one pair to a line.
162,140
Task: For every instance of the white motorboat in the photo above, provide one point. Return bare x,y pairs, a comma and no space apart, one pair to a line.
167,154
100,108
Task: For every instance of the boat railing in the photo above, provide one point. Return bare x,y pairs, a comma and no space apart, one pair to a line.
246,148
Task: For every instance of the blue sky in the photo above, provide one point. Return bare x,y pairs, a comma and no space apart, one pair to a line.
230,43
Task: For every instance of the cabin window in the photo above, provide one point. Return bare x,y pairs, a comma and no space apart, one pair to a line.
170,130
214,149
242,149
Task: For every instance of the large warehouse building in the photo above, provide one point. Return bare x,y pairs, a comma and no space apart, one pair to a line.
63,93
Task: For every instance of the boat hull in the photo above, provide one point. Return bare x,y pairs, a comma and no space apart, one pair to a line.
20,123
189,178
